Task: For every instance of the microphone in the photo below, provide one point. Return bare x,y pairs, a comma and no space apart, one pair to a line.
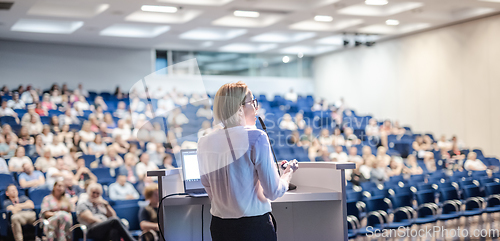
290,185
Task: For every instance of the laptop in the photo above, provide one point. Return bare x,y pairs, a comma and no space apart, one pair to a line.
191,174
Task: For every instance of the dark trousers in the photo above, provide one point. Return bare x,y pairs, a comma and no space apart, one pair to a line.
257,228
112,229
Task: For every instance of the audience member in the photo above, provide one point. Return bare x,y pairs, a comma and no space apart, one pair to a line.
337,138
291,96
47,135
148,218
57,148
22,209
86,133
122,190
353,155
307,138
367,167
72,191
324,138
204,112
350,138
100,217
82,173
474,164
144,166
395,168
30,178
16,163
46,161
122,130
412,166
4,169
57,208
287,123
35,126
299,121
57,173
112,159
97,147
9,146
378,173
357,176
5,110
339,155
16,103
372,129
167,162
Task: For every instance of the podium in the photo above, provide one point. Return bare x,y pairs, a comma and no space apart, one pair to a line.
316,210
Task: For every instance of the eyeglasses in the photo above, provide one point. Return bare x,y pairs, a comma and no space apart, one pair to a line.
254,102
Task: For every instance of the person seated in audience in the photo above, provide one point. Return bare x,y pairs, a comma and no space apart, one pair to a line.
382,155
71,157
4,168
379,173
420,147
443,143
54,124
68,118
204,112
177,118
155,154
5,110
122,130
314,150
121,111
26,96
144,166
77,142
99,102
337,138
299,121
35,126
287,123
430,163
8,146
56,98
72,190
30,178
46,103
15,103
105,133
24,137
128,168
324,138
158,135
56,208
57,148
307,138
412,166
353,155
148,218
339,155
366,152
7,131
18,160
86,134
82,104
167,162
122,190
395,168
291,96
46,161
120,145
319,105
40,110
57,172
22,209
100,218
82,173
474,164
98,147
26,119
367,166
350,138
47,135
135,150
372,130
111,159
357,176
110,123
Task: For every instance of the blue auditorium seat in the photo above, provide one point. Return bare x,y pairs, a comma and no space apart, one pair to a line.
37,195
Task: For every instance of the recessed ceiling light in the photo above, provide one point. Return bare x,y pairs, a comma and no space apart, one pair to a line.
323,18
392,22
159,9
248,14
286,59
376,2
300,55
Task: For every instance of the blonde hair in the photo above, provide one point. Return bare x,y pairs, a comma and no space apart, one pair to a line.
227,102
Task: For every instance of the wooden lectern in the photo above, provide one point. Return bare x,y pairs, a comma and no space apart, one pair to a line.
316,210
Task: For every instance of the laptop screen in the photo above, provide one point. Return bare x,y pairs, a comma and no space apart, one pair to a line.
190,170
